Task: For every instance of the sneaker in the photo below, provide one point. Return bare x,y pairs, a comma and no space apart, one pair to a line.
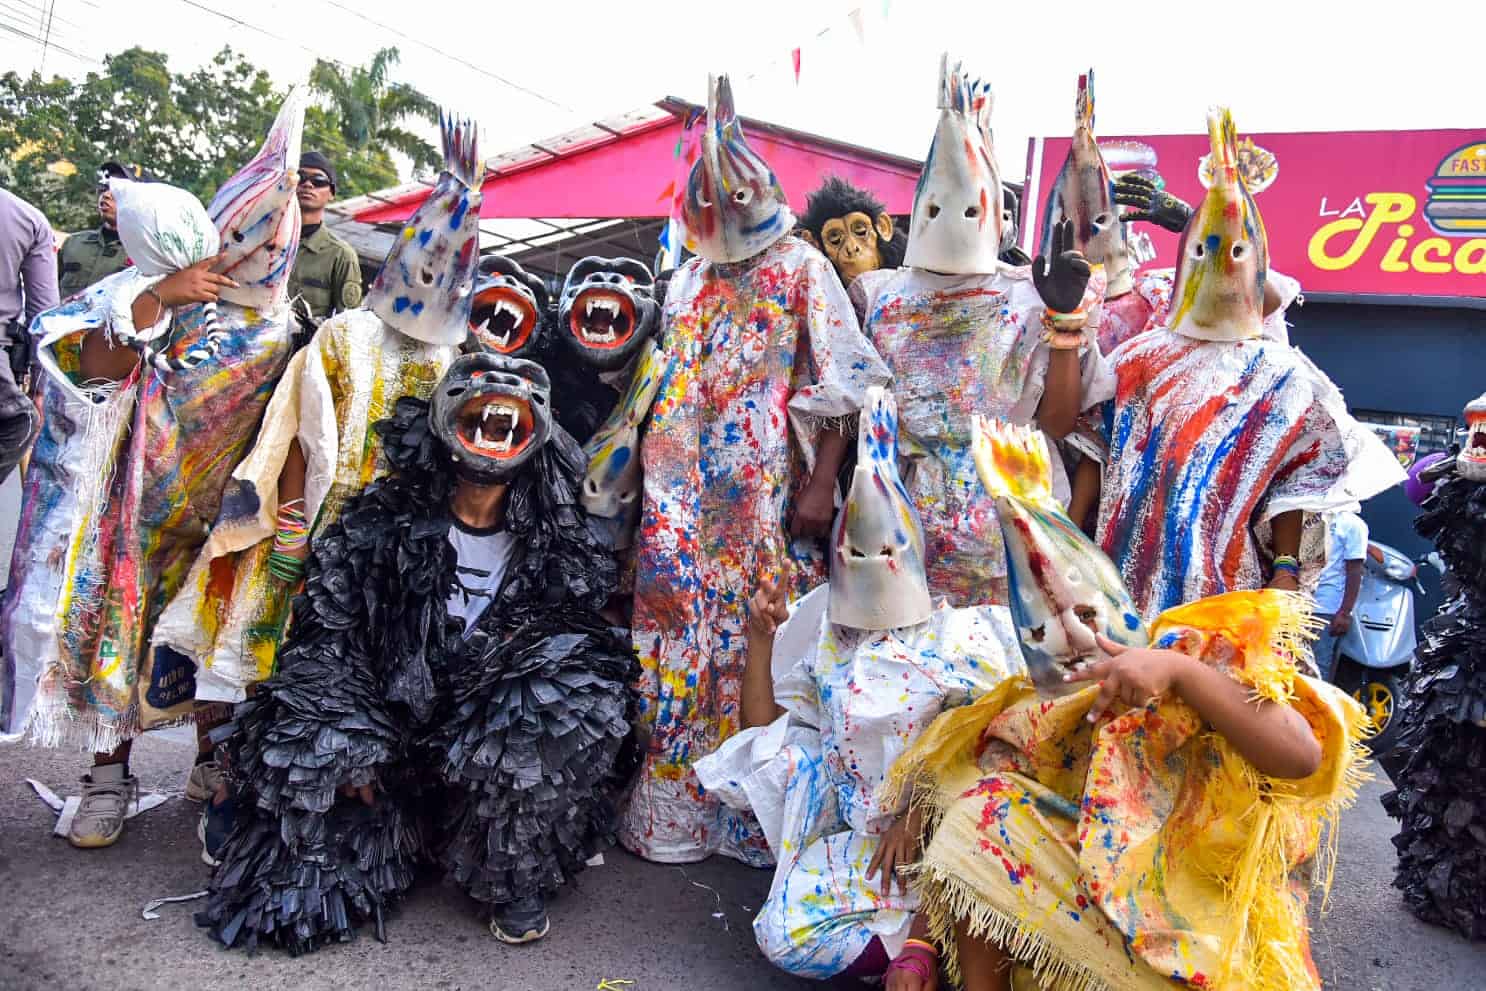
213,828
202,784
521,921
107,793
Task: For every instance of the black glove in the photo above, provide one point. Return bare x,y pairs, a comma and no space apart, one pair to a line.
1061,282
1152,204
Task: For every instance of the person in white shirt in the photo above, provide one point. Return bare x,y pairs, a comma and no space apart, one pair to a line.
1336,589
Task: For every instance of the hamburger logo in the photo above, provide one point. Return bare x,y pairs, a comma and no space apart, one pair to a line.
1457,193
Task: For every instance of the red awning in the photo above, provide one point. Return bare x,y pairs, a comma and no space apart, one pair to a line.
629,173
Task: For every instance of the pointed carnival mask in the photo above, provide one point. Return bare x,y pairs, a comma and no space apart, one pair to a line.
734,206
508,306
424,288
1471,461
494,413
1223,257
1064,589
1084,194
257,213
607,311
958,209
877,544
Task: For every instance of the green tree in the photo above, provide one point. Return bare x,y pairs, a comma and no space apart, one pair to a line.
369,112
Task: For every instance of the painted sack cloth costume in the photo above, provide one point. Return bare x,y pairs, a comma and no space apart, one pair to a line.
1213,430
1142,851
127,476
861,667
963,334
760,350
231,612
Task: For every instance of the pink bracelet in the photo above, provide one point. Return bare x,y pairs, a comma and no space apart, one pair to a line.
915,961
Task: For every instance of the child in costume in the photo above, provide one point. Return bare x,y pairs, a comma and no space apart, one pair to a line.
763,361
315,448
1219,440
1150,831
861,666
448,690
963,333
133,455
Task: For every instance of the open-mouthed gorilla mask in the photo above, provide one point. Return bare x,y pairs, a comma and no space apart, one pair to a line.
494,413
506,311
607,311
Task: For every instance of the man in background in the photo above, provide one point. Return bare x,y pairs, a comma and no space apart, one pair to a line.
88,256
28,286
1336,590
327,276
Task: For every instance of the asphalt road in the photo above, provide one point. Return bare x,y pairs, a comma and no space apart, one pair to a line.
71,919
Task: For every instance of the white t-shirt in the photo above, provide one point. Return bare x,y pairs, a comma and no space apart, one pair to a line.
1346,540
483,557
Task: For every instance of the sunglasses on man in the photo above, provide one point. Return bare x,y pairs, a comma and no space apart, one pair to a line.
318,181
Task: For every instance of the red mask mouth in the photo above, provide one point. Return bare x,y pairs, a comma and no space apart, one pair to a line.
602,319
502,319
495,426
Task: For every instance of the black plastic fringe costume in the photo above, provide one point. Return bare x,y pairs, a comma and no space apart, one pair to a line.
1440,801
501,749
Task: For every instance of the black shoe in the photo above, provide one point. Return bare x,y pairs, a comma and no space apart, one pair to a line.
521,921
214,827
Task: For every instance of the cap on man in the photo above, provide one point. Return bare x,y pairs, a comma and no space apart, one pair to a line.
327,276
88,256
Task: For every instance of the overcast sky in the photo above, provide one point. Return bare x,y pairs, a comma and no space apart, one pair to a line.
1288,66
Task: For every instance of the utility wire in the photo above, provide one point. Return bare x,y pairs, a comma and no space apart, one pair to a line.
36,39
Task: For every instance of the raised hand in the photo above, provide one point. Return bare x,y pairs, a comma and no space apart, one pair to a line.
1062,274
195,284
1131,675
1151,204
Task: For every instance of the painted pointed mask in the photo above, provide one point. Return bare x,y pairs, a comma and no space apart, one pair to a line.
877,544
734,206
1223,257
425,285
257,213
1084,194
958,210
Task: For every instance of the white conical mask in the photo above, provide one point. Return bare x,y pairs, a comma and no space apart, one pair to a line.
877,544
958,208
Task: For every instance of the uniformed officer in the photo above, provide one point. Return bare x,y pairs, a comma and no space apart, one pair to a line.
326,276
88,256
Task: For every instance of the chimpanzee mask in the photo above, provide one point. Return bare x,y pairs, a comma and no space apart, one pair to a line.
607,311
493,413
506,312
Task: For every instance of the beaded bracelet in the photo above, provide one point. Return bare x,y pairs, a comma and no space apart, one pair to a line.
1286,562
1063,331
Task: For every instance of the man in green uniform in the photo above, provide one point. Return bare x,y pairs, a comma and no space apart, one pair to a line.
327,276
88,256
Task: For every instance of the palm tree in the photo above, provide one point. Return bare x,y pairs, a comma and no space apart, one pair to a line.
370,109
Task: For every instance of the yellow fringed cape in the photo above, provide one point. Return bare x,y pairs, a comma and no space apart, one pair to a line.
1144,851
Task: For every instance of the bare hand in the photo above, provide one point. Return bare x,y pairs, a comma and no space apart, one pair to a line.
1340,624
767,608
899,847
1285,581
814,511
904,979
1131,675
196,284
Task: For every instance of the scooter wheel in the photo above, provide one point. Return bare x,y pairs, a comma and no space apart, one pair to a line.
1380,694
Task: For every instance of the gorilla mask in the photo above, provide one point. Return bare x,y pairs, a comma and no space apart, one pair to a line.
506,312
607,311
493,413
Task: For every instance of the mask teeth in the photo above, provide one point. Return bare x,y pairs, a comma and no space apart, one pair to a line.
461,149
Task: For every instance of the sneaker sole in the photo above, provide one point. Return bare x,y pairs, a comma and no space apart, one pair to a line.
206,858
94,842
530,936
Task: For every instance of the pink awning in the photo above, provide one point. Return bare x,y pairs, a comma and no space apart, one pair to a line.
629,174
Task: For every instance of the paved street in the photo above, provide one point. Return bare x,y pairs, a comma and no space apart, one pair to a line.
71,919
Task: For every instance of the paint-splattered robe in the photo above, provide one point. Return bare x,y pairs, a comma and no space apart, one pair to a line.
854,701
123,485
230,615
758,356
959,345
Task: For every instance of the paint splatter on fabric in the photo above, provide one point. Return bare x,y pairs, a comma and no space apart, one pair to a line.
230,615
854,700
1147,306
1207,443
958,346
1143,851
758,356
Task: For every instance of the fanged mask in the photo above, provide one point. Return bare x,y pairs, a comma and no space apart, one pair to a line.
877,544
607,311
493,413
734,206
1471,462
506,312
958,211
424,287
1084,194
1063,588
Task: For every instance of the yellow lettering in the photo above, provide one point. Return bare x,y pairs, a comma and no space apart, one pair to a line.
1388,208
1421,262
1393,260
1470,259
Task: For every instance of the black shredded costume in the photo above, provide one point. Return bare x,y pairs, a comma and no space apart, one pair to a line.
493,756
1440,800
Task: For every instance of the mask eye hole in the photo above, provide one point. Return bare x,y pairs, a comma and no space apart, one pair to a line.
1101,221
590,486
853,552
702,200
933,210
237,236
742,196
885,552
971,212
1239,251
1198,250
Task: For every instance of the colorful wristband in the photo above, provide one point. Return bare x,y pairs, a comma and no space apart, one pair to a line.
923,945
916,962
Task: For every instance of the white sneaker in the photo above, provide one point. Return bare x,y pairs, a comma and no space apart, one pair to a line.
107,792
202,784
